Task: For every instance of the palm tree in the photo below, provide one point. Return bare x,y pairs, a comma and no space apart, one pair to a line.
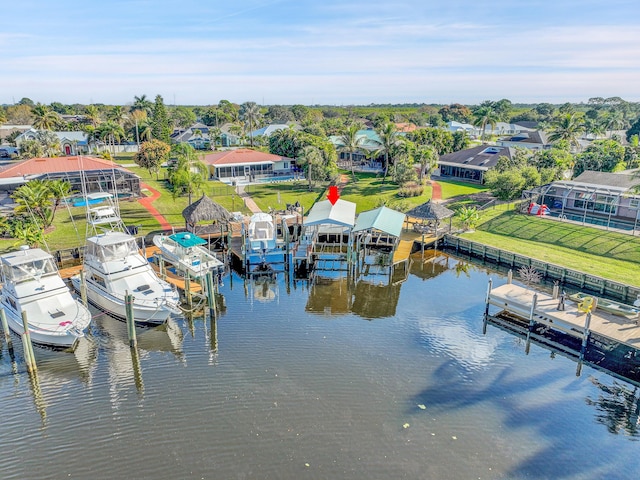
485,115
141,103
567,127
427,157
34,199
351,143
44,117
614,120
189,174
215,137
388,144
311,158
110,132
60,190
117,115
50,143
250,113
92,114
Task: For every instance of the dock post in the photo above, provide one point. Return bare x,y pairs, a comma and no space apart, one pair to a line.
83,288
162,268
531,323
5,327
29,355
585,340
131,325
211,296
510,277
187,289
486,308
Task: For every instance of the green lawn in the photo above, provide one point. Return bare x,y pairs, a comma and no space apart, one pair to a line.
278,195
607,254
369,192
451,189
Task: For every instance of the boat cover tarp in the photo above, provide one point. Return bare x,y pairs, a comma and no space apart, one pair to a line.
186,239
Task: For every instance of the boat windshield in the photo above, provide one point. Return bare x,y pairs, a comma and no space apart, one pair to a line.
115,251
32,270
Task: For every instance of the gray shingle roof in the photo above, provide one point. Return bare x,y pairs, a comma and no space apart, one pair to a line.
482,157
620,180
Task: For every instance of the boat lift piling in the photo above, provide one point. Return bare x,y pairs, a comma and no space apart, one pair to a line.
5,327
131,325
486,308
83,288
531,323
29,355
585,340
211,294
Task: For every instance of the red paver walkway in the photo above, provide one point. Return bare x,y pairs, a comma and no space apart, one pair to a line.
147,202
436,191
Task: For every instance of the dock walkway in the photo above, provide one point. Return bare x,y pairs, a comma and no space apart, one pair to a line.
518,300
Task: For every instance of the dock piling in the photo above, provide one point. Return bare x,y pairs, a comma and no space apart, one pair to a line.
83,288
486,308
131,325
5,327
531,323
29,355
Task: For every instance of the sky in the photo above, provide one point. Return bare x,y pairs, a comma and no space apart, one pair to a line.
323,52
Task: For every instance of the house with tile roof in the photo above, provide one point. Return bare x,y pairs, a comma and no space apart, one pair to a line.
470,165
244,165
97,174
71,143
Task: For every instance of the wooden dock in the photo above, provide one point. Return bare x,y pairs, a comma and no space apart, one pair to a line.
403,251
519,301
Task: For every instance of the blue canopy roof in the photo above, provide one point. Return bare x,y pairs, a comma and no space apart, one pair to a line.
186,239
383,219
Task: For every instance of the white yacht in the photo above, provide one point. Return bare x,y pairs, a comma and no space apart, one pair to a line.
113,266
186,253
31,283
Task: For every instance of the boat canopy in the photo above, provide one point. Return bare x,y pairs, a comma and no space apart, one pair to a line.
186,239
341,213
112,251
27,265
383,219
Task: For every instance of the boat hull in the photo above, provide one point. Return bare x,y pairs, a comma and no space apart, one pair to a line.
62,338
115,306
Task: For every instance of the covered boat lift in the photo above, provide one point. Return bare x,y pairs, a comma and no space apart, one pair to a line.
326,242
376,237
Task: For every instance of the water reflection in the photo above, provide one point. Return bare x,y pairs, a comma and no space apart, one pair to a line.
618,407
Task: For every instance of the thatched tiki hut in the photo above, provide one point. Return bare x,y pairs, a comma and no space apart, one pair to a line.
206,210
430,214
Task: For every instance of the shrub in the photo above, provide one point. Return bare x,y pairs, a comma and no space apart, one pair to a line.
411,189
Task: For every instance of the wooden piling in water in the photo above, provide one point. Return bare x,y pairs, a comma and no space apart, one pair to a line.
29,354
486,308
83,288
531,323
131,324
5,327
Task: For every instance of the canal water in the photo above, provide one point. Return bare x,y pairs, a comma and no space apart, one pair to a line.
319,381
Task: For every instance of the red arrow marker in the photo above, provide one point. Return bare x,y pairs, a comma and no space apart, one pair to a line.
333,195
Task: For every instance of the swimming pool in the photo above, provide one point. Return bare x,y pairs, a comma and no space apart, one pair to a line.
602,222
